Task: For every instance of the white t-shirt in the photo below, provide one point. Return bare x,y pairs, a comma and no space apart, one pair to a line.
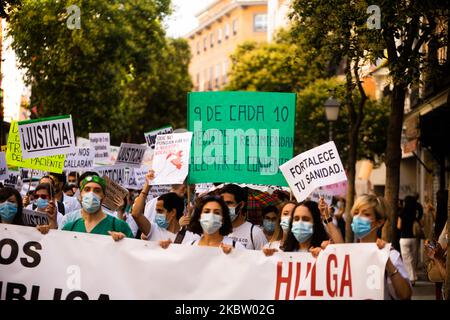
226,240
389,291
242,234
150,210
157,234
59,216
70,203
131,223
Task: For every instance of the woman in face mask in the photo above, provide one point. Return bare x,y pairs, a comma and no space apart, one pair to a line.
277,241
306,230
369,214
10,206
271,223
211,219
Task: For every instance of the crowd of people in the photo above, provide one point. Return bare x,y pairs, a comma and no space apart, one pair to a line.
217,219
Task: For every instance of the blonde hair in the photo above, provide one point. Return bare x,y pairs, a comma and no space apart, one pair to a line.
378,204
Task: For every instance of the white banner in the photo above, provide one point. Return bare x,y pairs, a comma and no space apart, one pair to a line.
66,265
3,167
81,159
46,137
314,168
100,142
171,158
131,155
150,137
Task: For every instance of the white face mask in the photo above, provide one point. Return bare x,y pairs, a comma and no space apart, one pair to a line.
284,223
210,222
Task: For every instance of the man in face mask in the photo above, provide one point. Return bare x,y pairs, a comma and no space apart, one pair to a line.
243,231
93,219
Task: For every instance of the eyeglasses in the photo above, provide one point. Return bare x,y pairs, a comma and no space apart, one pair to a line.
42,196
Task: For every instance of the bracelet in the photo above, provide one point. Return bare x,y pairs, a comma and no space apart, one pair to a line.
146,193
394,273
328,220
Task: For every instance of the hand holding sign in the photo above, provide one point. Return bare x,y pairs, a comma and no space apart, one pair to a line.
150,176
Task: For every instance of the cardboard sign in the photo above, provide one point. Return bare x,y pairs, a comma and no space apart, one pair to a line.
14,155
131,155
100,143
314,168
240,136
171,158
3,166
33,218
115,173
81,159
46,136
150,137
114,195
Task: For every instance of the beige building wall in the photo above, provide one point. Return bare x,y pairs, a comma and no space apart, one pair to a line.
222,27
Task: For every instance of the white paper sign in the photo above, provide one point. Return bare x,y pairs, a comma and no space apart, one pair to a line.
314,168
131,155
33,218
319,192
115,173
156,191
135,178
100,142
150,137
46,137
81,159
3,167
171,158
13,180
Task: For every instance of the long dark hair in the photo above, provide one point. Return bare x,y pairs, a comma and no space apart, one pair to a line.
195,226
319,233
7,192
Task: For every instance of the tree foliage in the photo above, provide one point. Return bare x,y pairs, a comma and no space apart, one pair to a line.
114,74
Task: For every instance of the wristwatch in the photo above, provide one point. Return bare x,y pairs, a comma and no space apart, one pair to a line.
328,220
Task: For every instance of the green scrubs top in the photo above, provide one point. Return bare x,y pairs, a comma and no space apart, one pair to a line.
109,223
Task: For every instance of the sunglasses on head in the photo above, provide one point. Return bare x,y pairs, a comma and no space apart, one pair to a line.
42,196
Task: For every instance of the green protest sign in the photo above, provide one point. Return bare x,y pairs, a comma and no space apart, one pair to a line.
240,137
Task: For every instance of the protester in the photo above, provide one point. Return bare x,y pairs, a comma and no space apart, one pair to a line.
211,219
306,230
70,203
332,230
45,202
271,223
10,206
93,219
408,242
276,243
340,214
369,215
68,190
246,233
51,182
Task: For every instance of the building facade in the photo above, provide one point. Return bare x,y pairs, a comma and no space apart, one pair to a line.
223,25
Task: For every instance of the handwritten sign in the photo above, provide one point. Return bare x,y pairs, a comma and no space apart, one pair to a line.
33,218
114,194
240,136
100,142
81,159
150,137
314,168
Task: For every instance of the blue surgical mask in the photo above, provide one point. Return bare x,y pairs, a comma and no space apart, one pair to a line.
41,203
210,222
361,226
302,230
8,211
285,220
269,226
161,221
91,202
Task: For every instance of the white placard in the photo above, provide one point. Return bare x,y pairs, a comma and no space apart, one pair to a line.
150,137
81,159
115,173
314,168
131,155
171,158
3,167
100,142
46,137
135,178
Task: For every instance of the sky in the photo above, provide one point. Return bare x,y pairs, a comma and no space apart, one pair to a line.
183,19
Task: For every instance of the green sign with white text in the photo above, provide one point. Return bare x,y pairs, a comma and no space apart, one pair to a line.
240,137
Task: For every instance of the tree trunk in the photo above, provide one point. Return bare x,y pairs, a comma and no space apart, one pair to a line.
351,176
393,158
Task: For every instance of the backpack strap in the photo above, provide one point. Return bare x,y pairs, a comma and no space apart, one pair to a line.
180,235
251,236
61,207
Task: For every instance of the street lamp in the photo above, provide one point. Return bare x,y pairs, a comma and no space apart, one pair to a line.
332,113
